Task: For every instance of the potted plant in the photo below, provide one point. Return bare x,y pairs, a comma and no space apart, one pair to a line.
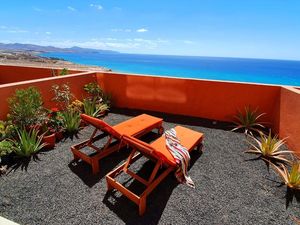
48,137
25,108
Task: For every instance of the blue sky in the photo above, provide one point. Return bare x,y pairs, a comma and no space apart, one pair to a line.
233,28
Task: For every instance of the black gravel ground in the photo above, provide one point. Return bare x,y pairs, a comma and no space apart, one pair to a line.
230,188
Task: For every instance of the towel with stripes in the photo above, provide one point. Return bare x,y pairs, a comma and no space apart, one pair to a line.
181,156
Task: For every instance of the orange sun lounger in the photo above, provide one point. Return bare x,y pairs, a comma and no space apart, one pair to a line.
137,126
157,152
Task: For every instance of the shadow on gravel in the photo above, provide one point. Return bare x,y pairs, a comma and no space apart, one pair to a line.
177,119
84,171
127,211
291,195
23,163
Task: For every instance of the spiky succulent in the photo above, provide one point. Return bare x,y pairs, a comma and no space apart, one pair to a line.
268,147
248,120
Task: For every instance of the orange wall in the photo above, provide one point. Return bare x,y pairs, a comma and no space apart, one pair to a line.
207,99
200,98
289,123
10,74
76,83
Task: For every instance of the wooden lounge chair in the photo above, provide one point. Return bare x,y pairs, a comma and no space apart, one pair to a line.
156,151
137,126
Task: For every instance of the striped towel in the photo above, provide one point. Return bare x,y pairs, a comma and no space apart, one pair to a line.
181,156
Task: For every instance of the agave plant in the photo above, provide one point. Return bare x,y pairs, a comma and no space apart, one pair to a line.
92,108
27,143
249,120
268,147
71,121
290,178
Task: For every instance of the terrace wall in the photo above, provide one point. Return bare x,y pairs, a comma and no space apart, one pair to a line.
200,98
289,118
76,83
214,100
10,74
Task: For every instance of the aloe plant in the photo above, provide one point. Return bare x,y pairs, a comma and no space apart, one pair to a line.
71,121
268,147
248,120
27,143
92,108
290,178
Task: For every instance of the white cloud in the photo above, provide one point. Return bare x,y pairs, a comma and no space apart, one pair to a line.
48,33
37,9
121,30
108,43
71,8
98,7
141,30
188,42
12,29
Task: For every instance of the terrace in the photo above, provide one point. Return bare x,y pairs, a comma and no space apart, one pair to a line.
230,187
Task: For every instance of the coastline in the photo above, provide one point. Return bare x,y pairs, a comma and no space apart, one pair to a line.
32,58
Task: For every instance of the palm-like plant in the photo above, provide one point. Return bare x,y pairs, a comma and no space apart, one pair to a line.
71,121
27,143
268,147
92,108
248,120
290,178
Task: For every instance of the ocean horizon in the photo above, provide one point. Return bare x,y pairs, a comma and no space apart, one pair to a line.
265,71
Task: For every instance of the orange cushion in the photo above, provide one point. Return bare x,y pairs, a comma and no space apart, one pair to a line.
187,137
138,125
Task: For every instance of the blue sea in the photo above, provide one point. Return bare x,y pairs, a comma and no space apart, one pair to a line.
213,68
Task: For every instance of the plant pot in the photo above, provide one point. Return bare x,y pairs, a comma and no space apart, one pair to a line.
83,123
59,135
49,140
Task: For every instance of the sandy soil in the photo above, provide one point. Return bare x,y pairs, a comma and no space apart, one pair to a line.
32,59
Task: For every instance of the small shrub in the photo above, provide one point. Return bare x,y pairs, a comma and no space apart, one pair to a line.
268,147
25,107
27,143
5,148
71,121
248,121
93,89
62,95
64,71
290,178
76,106
92,108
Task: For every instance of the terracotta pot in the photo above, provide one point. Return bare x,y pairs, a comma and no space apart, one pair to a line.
59,135
49,140
82,123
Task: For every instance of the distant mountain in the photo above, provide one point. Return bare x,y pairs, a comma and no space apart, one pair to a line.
38,48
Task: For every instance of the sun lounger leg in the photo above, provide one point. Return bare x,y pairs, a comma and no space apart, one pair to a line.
142,205
95,166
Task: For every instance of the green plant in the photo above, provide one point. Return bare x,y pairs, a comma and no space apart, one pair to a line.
5,147
93,89
92,108
76,106
268,147
290,178
7,129
248,120
27,143
71,121
64,71
25,107
62,95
